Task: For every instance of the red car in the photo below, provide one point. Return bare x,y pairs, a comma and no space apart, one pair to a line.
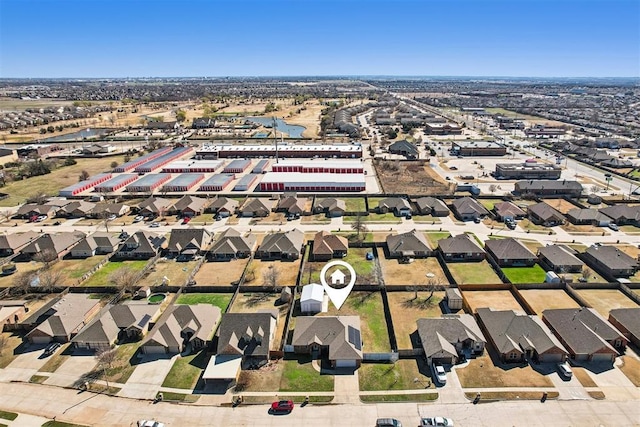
282,406
186,219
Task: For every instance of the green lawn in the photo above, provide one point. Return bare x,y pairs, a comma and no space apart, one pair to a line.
365,237
300,375
354,204
533,274
121,369
489,203
101,277
219,300
389,218
60,424
392,376
355,257
473,273
422,397
5,415
433,237
186,370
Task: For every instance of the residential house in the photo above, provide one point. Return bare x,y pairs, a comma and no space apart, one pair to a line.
30,210
11,314
190,206
594,217
105,210
282,245
312,298
405,148
327,246
182,327
450,339
223,206
291,205
98,243
188,242
468,209
543,214
156,206
12,243
397,205
431,206
412,244
248,335
52,246
623,214
331,207
123,322
627,321
518,337
232,244
338,338
462,247
585,334
257,207
76,209
508,210
560,259
62,319
510,253
610,261
141,245
203,123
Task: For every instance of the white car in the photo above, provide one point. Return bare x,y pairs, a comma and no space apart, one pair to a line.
565,370
150,423
439,373
436,421
613,226
138,218
112,217
154,225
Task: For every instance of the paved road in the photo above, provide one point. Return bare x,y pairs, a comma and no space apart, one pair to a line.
86,408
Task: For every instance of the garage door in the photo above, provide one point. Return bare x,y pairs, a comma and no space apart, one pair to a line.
40,340
345,363
153,349
442,360
602,357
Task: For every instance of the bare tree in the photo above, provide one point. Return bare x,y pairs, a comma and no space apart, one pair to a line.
124,279
586,273
84,175
22,282
271,276
595,188
106,359
3,343
359,227
493,188
49,278
6,214
46,256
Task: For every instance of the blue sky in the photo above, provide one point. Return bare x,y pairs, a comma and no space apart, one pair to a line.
115,38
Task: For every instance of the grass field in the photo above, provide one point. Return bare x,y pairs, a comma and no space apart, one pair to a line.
374,218
315,219
219,300
299,375
534,274
6,352
473,273
368,237
548,299
415,273
101,277
122,368
186,370
604,300
355,204
221,273
405,311
176,272
433,237
51,183
367,305
396,376
73,269
364,269
288,271
498,300
482,373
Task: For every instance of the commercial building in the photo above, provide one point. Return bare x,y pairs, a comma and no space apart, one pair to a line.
319,166
193,166
478,148
131,165
149,183
184,182
163,160
442,129
217,182
527,170
245,183
214,151
313,182
116,183
261,166
237,166
81,186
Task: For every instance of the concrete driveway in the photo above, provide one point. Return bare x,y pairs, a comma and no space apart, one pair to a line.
568,389
147,378
74,368
614,384
25,365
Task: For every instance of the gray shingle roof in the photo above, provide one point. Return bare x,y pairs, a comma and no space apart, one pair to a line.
289,242
410,242
443,333
247,334
232,242
612,257
508,249
188,238
545,212
629,318
469,206
462,243
560,255
329,331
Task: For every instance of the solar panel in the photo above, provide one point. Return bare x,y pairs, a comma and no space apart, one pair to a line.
354,337
145,319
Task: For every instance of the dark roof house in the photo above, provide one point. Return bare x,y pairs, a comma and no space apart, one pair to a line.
250,335
432,206
232,244
610,261
560,259
510,253
188,241
461,248
141,245
412,244
282,245
445,340
468,209
543,214
327,246
336,337
627,321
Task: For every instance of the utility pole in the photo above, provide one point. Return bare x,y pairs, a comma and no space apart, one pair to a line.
275,135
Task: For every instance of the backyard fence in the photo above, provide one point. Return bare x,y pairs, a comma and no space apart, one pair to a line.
381,357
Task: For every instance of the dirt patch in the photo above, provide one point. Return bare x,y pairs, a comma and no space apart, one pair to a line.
173,272
483,373
220,273
605,300
412,177
288,272
548,299
406,309
583,377
497,300
414,273
266,378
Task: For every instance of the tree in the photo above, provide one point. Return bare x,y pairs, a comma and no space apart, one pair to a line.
181,115
595,188
38,199
124,279
3,343
586,273
271,277
250,274
114,165
46,256
493,188
359,227
84,175
49,278
106,359
22,282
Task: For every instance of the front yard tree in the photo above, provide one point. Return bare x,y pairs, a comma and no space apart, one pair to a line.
106,359
359,226
493,188
47,256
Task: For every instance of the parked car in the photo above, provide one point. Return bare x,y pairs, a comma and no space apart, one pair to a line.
477,220
112,217
41,218
439,373
138,218
436,421
282,406
613,226
51,348
388,422
565,370
154,225
186,219
150,423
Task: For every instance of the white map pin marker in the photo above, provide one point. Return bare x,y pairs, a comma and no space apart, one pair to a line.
337,296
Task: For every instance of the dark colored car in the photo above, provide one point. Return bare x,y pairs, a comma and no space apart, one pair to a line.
282,406
51,348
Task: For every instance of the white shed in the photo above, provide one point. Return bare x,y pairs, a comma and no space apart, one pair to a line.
312,298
